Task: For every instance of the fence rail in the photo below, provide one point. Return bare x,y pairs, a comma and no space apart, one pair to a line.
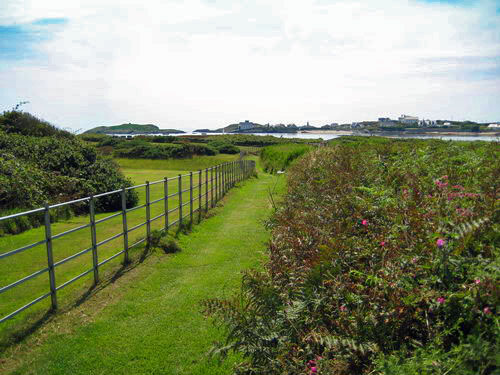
215,182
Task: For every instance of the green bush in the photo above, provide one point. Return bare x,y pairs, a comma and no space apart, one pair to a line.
384,259
35,168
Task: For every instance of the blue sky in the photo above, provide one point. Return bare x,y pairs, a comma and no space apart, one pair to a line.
19,41
207,63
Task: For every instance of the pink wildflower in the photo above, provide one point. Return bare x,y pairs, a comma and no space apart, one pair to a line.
414,260
487,310
364,222
314,370
343,308
477,281
382,243
440,300
440,243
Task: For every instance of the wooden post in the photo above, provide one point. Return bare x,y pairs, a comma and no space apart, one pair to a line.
199,195
148,213
206,190
93,235
165,201
180,200
191,198
125,227
50,258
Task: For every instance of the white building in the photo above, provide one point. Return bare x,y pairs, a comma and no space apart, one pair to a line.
245,125
493,126
404,119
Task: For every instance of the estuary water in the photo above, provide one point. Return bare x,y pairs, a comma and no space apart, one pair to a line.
328,136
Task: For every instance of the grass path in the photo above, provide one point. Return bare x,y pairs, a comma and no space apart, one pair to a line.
149,321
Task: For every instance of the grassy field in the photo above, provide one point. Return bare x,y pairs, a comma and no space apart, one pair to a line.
149,320
27,262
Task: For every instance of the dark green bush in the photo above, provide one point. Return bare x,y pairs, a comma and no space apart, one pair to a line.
54,169
384,259
224,147
20,122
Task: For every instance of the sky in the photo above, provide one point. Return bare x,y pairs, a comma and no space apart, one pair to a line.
190,64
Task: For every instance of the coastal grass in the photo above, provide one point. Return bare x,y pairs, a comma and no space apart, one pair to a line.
22,264
279,157
149,320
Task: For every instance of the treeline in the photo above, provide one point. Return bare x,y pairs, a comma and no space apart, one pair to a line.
383,260
40,163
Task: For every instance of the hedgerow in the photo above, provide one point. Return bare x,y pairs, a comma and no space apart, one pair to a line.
384,259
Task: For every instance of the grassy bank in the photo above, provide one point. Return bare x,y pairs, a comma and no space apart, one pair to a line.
149,321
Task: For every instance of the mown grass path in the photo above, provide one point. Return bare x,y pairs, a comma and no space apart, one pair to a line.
150,321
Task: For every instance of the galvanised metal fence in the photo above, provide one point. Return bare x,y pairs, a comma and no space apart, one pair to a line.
180,207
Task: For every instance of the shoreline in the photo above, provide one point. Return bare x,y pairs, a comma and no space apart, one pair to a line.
399,133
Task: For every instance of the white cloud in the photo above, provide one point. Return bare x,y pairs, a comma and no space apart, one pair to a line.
195,64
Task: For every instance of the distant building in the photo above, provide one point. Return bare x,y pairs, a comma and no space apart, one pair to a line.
405,119
426,123
493,126
246,125
384,119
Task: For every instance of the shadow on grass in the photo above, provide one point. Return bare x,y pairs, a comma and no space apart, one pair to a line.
20,332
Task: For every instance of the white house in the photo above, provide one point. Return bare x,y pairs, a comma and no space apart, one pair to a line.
404,119
245,125
493,126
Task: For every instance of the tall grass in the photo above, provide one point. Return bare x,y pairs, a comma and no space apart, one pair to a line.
279,157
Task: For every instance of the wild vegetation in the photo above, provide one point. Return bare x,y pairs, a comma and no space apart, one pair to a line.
40,163
158,147
279,157
384,259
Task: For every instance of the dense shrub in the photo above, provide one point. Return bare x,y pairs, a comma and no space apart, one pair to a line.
24,123
224,147
279,157
384,259
54,169
139,148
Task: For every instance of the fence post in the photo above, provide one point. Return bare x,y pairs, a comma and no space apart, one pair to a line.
216,183
199,195
212,187
125,227
50,258
165,201
191,198
93,235
206,190
233,174
148,213
180,201
224,179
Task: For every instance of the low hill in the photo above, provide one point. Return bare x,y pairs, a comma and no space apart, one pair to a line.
131,129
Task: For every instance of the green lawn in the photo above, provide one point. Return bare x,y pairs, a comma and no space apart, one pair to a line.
22,264
148,321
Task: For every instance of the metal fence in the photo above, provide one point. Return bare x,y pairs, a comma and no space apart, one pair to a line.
196,198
